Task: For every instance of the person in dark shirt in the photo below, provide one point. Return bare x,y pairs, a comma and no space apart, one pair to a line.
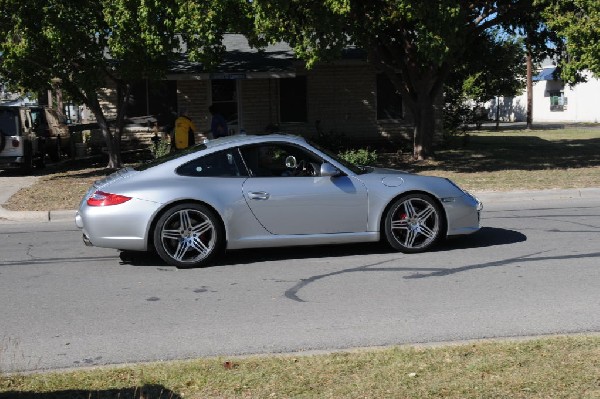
218,125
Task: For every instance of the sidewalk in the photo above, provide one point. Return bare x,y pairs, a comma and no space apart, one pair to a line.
11,185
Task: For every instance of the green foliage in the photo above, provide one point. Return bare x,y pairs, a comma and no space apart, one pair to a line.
493,67
361,156
457,113
416,43
85,46
577,22
161,148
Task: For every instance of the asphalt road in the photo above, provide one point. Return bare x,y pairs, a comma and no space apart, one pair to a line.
533,269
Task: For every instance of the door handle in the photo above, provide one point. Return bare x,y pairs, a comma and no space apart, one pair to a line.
258,195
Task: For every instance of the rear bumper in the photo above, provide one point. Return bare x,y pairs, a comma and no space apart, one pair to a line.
11,161
122,226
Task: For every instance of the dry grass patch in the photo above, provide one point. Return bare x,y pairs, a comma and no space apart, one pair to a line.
59,191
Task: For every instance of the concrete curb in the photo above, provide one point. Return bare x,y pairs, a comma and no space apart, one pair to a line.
538,195
36,216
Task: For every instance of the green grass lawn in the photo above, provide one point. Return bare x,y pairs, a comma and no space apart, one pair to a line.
562,367
518,159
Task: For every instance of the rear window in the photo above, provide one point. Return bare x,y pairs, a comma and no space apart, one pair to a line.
219,164
9,122
170,157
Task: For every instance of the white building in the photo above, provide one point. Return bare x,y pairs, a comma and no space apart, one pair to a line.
553,101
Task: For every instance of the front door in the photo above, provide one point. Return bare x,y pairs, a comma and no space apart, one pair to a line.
288,201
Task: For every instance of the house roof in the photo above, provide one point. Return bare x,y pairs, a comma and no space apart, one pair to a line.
242,61
545,74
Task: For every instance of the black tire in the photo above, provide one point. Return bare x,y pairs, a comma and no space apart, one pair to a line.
188,235
27,165
53,150
40,161
2,141
414,223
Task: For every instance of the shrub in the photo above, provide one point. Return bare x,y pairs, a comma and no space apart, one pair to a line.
362,156
161,148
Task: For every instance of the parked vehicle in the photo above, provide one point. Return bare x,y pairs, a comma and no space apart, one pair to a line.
267,191
20,146
52,127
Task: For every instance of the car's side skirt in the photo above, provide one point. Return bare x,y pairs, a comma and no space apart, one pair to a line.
304,239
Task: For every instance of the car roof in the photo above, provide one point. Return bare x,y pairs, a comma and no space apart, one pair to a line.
251,139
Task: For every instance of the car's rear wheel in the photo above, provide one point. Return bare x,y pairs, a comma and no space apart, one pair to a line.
414,223
188,235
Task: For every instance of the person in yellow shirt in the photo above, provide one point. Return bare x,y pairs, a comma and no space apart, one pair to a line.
184,132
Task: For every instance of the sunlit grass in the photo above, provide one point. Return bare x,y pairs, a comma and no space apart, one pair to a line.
565,367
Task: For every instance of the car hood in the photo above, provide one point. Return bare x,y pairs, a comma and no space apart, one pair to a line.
389,177
385,171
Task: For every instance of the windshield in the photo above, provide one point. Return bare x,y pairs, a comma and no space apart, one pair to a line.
356,169
170,157
9,122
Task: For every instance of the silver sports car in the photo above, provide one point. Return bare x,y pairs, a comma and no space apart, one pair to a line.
267,191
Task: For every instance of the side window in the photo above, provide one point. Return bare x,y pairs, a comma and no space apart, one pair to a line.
220,164
9,122
280,160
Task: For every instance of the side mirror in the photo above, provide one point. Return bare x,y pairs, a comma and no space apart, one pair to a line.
328,169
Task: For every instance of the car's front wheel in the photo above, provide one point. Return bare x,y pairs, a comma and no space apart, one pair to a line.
414,223
188,235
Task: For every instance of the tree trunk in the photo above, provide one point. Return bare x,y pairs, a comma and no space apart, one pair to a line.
529,90
424,114
112,142
497,112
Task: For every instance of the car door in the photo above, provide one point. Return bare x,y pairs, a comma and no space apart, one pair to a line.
287,201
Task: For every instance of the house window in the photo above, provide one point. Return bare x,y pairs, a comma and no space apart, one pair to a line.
389,101
292,99
152,98
224,98
558,101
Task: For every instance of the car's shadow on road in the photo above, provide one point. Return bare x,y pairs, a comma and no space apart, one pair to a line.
486,237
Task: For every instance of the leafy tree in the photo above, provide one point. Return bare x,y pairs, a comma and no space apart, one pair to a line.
493,67
577,22
84,45
416,43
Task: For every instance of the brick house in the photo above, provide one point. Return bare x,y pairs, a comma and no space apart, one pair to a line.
254,90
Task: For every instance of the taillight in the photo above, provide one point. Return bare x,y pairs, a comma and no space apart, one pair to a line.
15,143
100,198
